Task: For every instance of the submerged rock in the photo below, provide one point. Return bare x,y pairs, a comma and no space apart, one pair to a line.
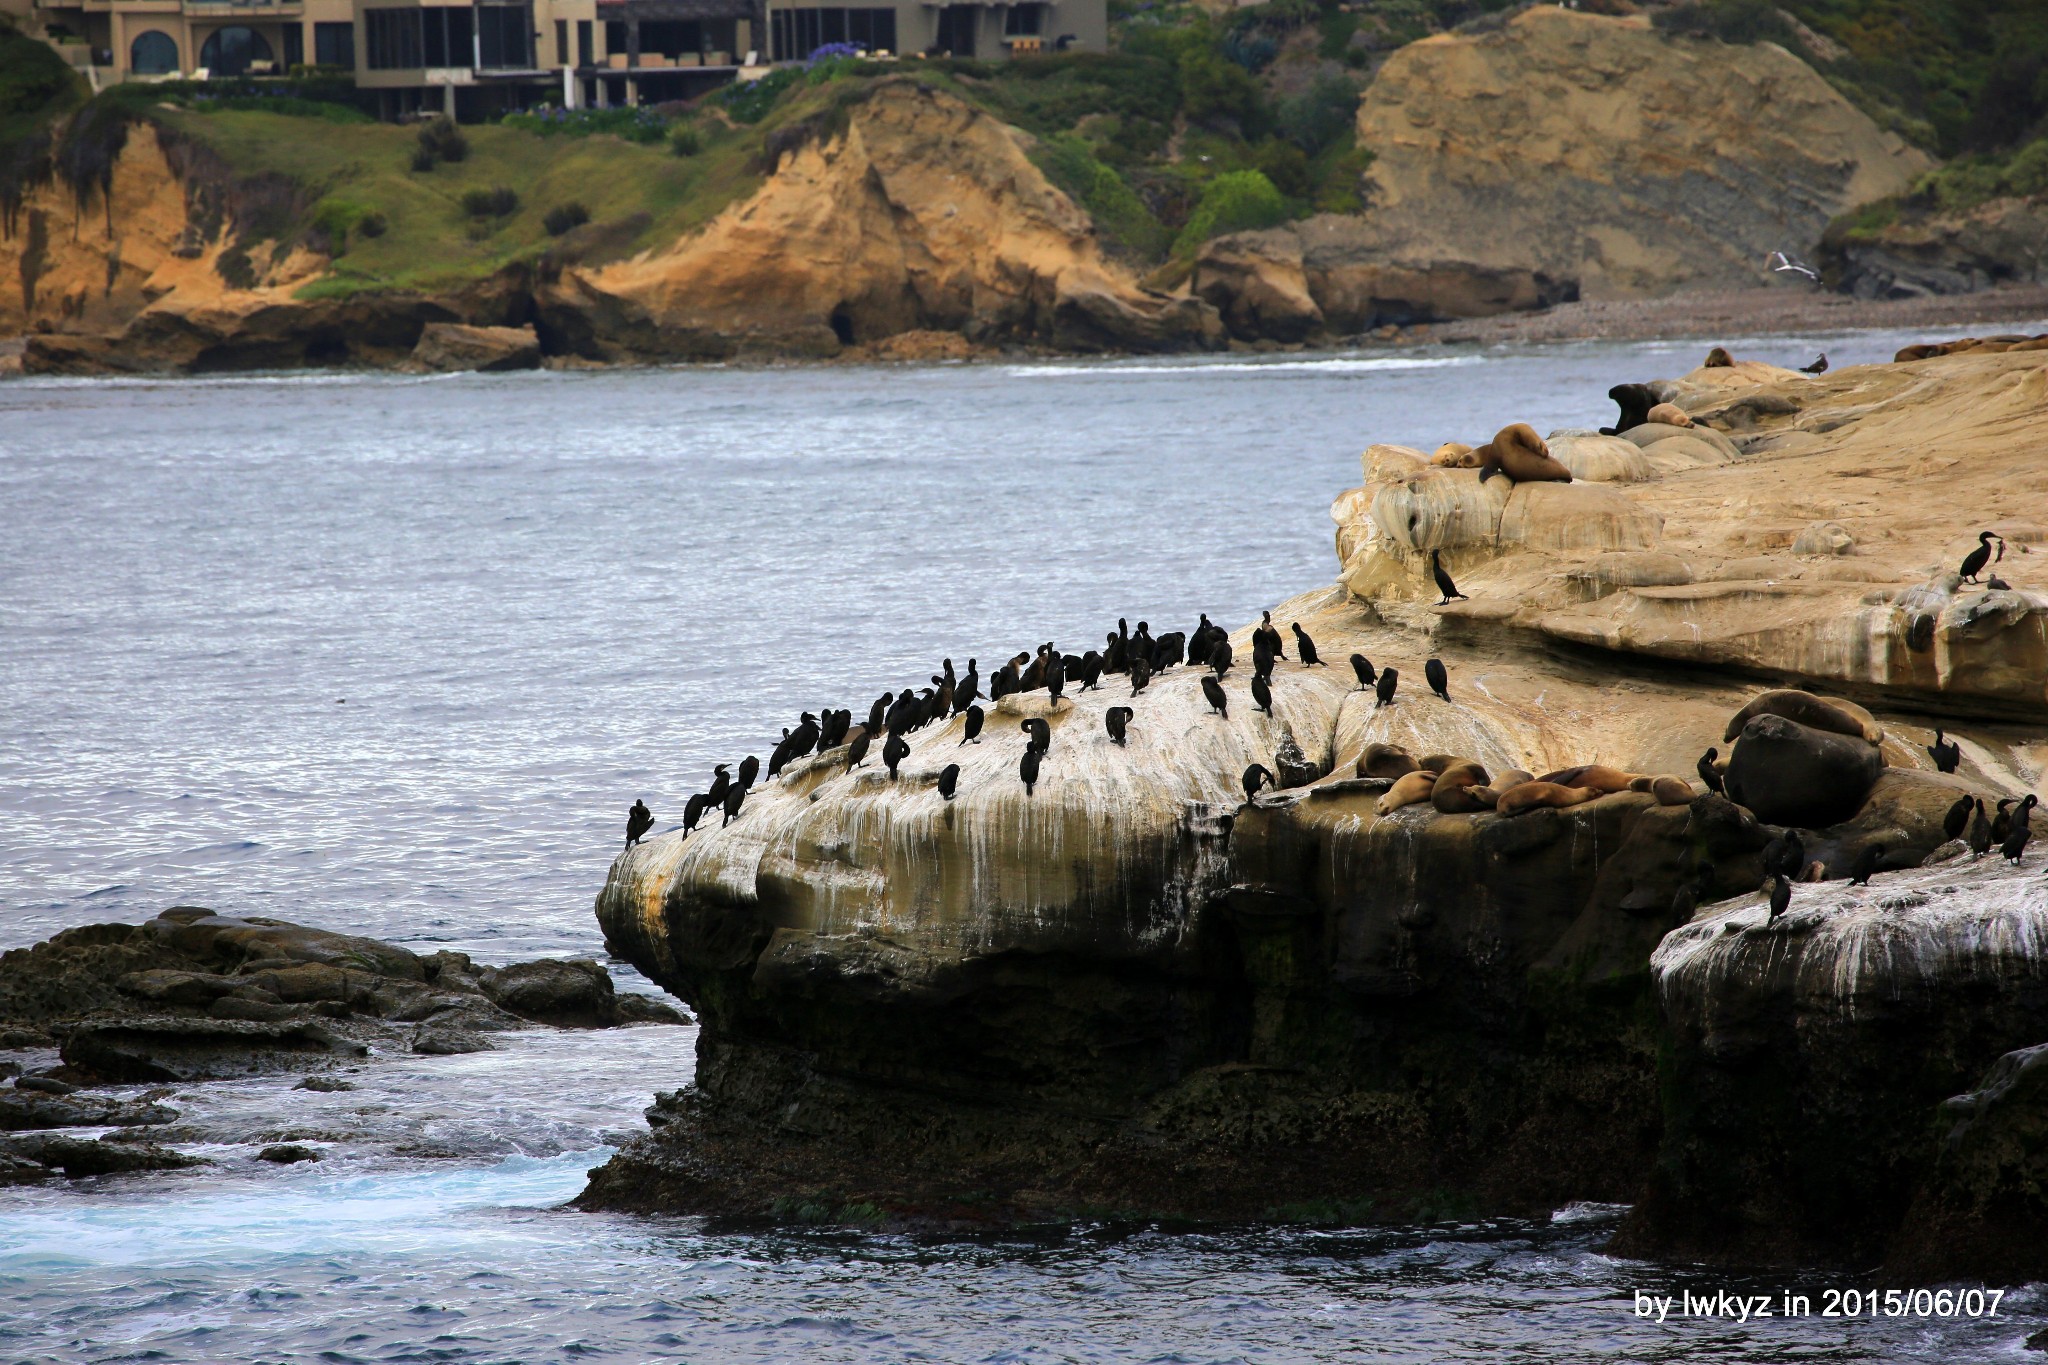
76,1157
170,1048
20,1111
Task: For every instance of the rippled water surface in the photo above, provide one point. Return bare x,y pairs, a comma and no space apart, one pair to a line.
393,655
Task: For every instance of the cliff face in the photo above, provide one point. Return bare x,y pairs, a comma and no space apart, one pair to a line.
1566,155
1130,988
2004,241
903,210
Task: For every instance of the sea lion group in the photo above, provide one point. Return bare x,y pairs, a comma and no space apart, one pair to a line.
1462,786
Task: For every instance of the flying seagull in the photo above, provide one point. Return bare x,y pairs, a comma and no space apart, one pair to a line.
1780,262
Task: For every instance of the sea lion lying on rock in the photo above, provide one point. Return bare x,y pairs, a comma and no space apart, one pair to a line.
1669,791
1636,402
1600,778
1385,760
1518,452
1414,787
1441,763
1718,359
1513,777
1528,796
1787,773
1816,713
1455,455
1462,790
1670,414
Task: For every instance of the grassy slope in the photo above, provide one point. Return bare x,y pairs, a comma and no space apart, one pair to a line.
429,242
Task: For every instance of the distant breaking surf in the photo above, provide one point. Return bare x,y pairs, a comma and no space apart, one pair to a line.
1333,365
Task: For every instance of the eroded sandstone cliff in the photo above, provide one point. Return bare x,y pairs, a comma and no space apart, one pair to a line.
1131,988
1563,155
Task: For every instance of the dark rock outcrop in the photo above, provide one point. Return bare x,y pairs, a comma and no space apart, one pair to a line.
1921,252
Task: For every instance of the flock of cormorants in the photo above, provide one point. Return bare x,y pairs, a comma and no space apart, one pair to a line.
1133,656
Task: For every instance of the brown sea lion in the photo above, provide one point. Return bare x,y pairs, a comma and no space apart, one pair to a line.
1599,777
1513,777
1671,415
1385,760
1462,790
1717,359
1816,713
1518,452
1527,796
1441,763
1671,791
1787,773
1455,455
1416,786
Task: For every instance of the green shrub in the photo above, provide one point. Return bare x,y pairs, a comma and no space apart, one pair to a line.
640,124
684,140
1236,201
423,160
1284,164
444,140
563,217
750,103
1120,215
1318,116
1732,21
373,224
497,202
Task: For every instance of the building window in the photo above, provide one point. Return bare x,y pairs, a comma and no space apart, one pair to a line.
334,44
561,42
956,30
294,45
505,37
448,36
1024,21
794,34
392,37
229,51
584,55
153,54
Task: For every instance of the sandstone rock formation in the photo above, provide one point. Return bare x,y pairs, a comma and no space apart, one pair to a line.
905,210
445,347
1131,988
1565,155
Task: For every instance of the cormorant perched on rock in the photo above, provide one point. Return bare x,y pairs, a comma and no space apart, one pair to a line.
1262,693
949,778
1254,776
1819,365
969,688
1389,679
1362,666
2015,844
1785,853
1958,818
1139,646
1203,639
878,711
720,780
733,798
1091,670
857,752
1781,896
750,768
1974,562
1866,864
1027,768
1269,634
1262,657
1219,657
1115,653
2001,820
805,737
1141,673
1116,720
894,750
1439,680
1980,833
1709,773
971,731
1444,584
694,808
1305,648
1055,677
1040,732
1213,690
1946,753
638,821
1168,650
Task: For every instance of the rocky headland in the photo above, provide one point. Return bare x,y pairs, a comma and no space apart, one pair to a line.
1513,165
1131,988
191,997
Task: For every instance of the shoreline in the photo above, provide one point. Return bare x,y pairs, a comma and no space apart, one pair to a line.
1716,316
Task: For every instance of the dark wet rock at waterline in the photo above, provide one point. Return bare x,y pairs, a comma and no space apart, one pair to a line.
76,1157
173,1048
287,1153
22,1110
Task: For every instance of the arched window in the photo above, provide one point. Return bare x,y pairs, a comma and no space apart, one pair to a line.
153,54
230,50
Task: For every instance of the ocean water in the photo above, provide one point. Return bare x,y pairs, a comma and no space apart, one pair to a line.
392,655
